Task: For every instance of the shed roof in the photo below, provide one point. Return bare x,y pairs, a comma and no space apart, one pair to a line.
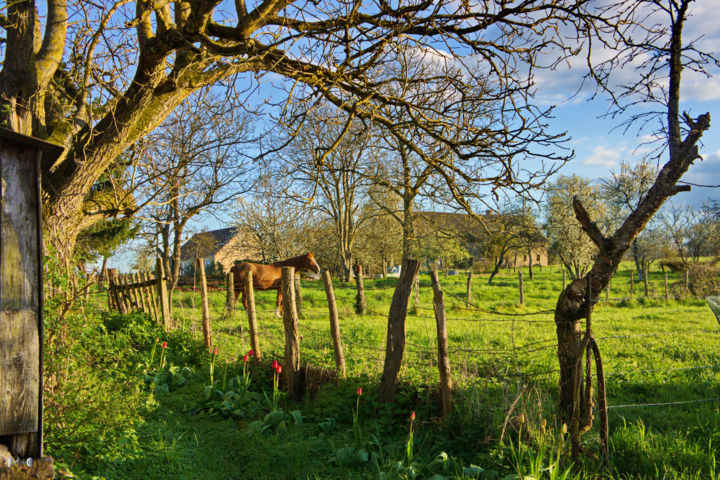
51,151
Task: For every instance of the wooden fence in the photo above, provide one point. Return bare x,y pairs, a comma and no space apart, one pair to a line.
140,291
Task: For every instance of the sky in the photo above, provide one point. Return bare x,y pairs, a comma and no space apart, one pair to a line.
600,144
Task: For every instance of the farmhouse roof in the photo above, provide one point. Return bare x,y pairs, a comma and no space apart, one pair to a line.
206,244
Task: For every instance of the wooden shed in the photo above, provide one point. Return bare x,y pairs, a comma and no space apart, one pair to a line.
21,348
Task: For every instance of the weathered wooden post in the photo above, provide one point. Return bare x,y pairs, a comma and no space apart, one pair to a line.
292,333
645,281
563,270
21,292
298,296
334,325
687,280
162,294
360,295
667,290
442,341
150,278
207,328
395,346
252,318
416,290
230,294
468,299
607,292
136,298
115,299
520,287
632,285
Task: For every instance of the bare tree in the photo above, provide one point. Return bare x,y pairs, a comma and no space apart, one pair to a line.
332,179
690,231
193,163
660,54
624,191
279,228
99,83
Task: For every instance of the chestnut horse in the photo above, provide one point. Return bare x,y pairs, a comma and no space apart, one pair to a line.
268,277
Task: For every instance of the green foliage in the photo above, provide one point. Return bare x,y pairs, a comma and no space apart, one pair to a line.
102,238
107,359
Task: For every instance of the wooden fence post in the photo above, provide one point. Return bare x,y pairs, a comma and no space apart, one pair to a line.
334,325
468,298
632,285
139,291
110,296
687,280
292,334
298,296
207,329
395,346
360,295
520,286
607,292
563,270
417,291
230,293
162,294
645,281
150,279
252,318
667,291
442,342
134,290
114,297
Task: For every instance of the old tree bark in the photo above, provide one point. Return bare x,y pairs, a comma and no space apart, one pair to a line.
682,147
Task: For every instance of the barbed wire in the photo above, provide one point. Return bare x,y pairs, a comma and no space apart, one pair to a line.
662,404
650,370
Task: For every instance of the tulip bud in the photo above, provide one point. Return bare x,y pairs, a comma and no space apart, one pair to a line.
359,391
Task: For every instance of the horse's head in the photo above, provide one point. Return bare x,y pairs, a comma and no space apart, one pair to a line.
311,263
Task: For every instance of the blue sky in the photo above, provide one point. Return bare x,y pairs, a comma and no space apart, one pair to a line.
600,144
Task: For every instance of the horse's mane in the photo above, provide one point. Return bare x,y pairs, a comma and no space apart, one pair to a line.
288,262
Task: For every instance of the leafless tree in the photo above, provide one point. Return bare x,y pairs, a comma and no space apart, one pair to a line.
645,36
280,229
193,163
624,191
332,179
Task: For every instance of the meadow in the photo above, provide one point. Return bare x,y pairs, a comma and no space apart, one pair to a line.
121,406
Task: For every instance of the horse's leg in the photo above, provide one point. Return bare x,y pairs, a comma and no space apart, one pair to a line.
278,305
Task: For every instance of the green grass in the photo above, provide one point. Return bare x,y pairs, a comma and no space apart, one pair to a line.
654,351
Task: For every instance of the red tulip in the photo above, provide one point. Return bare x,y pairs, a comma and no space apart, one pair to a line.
275,364
412,415
359,391
245,358
215,351
251,353
278,369
164,345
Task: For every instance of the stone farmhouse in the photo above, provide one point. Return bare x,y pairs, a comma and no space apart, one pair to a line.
221,247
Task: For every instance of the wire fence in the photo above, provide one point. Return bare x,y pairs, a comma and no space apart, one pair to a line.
514,363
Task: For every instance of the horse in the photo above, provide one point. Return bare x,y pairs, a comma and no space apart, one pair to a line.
268,277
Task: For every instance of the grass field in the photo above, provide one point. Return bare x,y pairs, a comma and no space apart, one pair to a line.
662,362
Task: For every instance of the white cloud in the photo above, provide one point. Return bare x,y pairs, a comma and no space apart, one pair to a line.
604,156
